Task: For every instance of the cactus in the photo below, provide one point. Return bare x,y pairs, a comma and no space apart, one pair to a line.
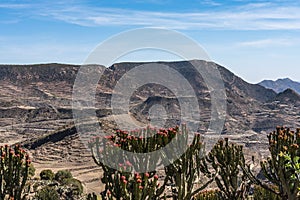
14,170
184,171
208,195
133,187
228,160
125,185
92,196
283,141
282,167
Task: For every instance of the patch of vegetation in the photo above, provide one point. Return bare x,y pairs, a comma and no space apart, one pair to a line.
47,174
47,193
62,175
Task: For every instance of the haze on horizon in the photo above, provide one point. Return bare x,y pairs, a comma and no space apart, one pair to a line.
254,39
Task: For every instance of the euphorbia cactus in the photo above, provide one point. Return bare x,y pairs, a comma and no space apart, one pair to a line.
92,196
281,168
189,167
228,162
136,186
121,183
208,195
14,168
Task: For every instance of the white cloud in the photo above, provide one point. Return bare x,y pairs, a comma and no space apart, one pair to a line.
210,3
269,43
13,6
252,16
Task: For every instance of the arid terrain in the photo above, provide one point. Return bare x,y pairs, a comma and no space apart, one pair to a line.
36,111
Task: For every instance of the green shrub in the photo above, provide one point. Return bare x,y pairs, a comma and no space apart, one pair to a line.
75,186
264,194
62,175
31,170
47,174
47,193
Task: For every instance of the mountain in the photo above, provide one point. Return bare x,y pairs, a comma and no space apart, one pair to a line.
36,109
281,84
45,93
288,96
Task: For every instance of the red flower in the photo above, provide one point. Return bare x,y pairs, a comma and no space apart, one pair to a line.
140,187
128,163
155,177
147,175
117,145
139,181
123,177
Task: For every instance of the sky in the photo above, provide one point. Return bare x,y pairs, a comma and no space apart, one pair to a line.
256,40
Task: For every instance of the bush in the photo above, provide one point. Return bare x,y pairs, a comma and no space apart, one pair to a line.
263,194
47,193
47,174
31,170
62,175
75,185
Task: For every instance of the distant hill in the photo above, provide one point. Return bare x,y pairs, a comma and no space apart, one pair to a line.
281,85
288,96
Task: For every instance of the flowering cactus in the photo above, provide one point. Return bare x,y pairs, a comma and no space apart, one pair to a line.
120,183
129,186
282,168
14,169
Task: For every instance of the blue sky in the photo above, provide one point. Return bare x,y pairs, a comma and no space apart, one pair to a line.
255,39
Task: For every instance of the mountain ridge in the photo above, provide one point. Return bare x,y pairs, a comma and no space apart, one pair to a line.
281,85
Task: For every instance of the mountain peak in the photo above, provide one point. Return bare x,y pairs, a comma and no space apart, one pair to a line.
280,85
